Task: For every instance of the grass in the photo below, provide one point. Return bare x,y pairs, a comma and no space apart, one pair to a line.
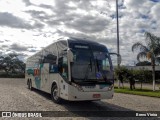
143,92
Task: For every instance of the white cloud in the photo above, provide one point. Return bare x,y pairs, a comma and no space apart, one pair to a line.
18,47
9,20
155,11
38,23
38,2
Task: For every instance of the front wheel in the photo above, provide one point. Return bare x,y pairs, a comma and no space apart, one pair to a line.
54,94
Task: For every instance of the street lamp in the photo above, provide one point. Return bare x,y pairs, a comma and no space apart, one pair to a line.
117,38
117,29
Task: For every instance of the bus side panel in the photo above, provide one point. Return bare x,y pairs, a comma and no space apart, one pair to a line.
47,78
44,76
63,88
47,83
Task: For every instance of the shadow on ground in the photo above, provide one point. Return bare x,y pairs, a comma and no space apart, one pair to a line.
92,109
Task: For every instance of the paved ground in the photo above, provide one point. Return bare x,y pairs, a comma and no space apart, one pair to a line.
14,96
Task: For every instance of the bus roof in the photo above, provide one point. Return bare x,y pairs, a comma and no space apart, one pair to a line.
84,40
72,40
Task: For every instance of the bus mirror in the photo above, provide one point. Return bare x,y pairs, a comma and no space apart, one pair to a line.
119,57
70,55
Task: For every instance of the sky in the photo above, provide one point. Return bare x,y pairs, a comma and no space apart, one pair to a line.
27,26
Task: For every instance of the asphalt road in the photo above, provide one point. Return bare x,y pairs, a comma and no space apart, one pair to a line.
14,96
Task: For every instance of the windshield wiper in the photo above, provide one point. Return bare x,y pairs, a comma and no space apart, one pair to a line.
90,60
97,64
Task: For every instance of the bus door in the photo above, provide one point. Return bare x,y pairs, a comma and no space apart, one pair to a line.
63,78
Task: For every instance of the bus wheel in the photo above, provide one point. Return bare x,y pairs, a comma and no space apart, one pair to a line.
30,85
54,94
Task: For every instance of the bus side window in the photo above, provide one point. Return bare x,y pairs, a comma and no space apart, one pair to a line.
106,64
50,58
63,66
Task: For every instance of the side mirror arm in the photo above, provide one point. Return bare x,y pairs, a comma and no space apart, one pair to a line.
119,57
70,55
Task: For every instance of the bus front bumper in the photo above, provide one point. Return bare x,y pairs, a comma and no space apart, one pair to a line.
82,96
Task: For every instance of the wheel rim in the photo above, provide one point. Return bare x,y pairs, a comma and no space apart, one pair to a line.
55,94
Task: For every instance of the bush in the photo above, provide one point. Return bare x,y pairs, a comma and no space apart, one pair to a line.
121,70
142,75
139,75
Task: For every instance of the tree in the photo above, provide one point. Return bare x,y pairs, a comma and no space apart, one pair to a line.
11,64
150,51
120,73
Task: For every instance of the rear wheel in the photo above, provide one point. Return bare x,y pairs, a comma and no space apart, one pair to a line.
54,94
30,84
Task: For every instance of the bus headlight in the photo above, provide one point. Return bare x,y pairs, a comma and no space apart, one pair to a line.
110,87
77,86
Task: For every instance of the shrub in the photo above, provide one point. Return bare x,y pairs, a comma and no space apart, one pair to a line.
139,75
121,70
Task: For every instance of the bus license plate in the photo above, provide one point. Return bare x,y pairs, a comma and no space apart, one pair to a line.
96,95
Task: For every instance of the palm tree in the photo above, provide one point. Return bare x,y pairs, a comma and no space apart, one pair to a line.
150,51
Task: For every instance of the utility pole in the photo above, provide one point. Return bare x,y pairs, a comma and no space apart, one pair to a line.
117,38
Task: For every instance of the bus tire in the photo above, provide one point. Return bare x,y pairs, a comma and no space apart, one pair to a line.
30,85
54,94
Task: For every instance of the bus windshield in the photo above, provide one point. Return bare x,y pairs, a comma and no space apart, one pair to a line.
89,65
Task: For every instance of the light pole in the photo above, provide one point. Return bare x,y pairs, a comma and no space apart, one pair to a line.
117,38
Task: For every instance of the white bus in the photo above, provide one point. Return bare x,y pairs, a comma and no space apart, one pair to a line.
73,69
